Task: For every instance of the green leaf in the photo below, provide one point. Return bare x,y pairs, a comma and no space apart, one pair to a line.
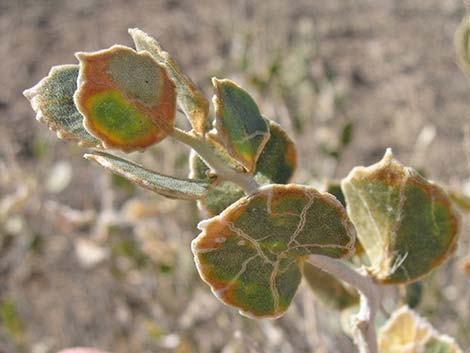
328,290
172,187
462,45
253,253
239,125
52,100
407,332
193,103
126,97
406,224
276,164
278,160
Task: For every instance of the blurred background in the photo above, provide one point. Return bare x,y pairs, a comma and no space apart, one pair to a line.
88,259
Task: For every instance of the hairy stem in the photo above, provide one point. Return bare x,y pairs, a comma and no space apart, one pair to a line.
245,181
364,329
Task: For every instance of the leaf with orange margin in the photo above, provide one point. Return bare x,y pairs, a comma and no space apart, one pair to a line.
126,97
252,254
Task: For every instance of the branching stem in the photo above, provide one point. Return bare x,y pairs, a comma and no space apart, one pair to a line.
245,181
364,329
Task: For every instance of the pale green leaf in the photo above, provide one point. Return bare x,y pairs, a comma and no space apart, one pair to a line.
252,253
52,100
406,224
407,332
169,186
193,103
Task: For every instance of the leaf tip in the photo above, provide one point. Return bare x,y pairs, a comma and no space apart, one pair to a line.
215,81
388,156
29,93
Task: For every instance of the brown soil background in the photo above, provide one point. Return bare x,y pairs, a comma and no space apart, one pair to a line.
387,66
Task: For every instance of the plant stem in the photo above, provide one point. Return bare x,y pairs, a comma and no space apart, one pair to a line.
364,328
245,181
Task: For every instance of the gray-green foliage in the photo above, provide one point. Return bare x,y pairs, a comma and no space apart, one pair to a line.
52,100
255,248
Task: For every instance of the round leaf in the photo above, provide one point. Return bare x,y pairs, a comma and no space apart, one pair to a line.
126,97
406,224
252,254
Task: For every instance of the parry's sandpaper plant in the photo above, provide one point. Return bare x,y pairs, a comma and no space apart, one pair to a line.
264,234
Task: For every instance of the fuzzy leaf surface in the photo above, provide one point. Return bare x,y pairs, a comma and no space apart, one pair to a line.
172,187
406,224
239,125
407,332
252,254
191,100
276,165
52,100
126,97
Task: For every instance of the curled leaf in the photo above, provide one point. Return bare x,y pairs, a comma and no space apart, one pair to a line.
252,254
328,290
407,332
239,125
193,103
126,97
52,100
276,164
172,187
406,224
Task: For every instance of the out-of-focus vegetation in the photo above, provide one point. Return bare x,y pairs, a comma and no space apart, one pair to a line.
87,259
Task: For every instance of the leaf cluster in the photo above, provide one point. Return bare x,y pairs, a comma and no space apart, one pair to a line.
254,249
